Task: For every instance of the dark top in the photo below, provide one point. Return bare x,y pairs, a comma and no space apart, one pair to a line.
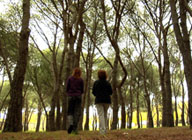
102,91
75,86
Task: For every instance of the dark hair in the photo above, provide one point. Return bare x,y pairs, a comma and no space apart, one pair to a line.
102,74
77,73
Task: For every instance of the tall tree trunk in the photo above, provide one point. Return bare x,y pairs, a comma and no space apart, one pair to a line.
131,100
47,122
14,117
68,69
89,75
176,112
39,116
157,110
26,117
138,112
183,41
163,98
86,127
123,113
51,120
55,121
141,120
3,121
64,110
64,94
115,95
167,77
183,105
147,97
149,112
58,118
87,111
127,120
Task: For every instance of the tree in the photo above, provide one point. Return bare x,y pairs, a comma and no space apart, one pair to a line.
182,36
13,121
113,37
157,11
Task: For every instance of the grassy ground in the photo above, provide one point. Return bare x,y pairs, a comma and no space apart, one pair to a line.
176,133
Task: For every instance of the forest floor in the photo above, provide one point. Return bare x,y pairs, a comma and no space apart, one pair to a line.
174,133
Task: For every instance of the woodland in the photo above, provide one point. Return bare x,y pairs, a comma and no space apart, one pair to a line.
144,45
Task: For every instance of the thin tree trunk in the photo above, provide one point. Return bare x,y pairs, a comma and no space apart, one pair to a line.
39,116
127,120
64,94
88,96
86,127
26,117
47,123
123,113
64,110
157,110
89,64
131,100
141,120
176,112
183,105
51,120
149,112
3,121
138,112
58,118
14,117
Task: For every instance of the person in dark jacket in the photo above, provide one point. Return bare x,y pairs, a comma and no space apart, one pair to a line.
75,86
102,90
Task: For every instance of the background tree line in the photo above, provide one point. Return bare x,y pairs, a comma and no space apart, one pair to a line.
143,45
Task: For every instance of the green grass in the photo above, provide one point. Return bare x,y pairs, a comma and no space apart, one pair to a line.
174,133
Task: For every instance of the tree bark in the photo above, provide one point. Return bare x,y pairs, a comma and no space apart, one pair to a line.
157,110
123,113
39,116
138,112
167,77
26,116
183,105
183,41
57,72
89,65
176,112
131,100
147,97
114,95
14,117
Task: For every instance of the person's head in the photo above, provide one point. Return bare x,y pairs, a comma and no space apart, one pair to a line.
77,72
102,74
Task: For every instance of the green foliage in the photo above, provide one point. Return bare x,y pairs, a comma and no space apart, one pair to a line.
39,75
9,46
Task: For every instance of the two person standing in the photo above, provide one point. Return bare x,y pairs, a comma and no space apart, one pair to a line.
101,90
